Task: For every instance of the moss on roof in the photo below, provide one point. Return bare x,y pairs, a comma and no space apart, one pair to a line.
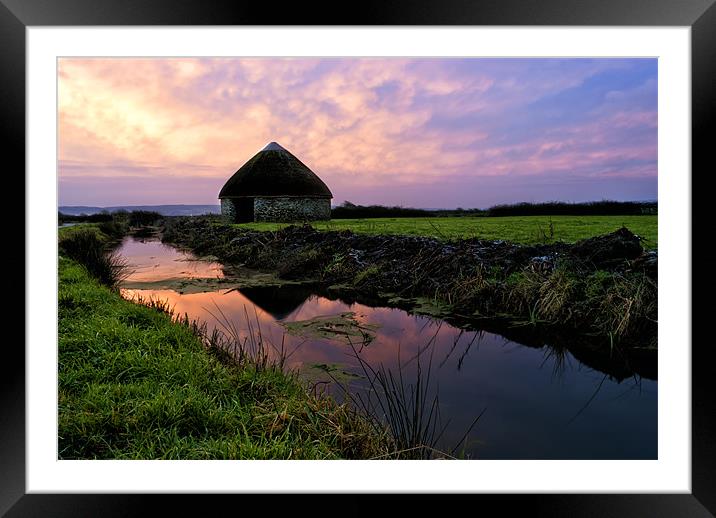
274,171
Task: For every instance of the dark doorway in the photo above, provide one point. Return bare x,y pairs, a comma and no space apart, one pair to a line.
245,209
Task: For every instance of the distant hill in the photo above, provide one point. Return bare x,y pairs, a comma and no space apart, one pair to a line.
164,210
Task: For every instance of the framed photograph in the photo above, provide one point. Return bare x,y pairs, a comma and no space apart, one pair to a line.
381,155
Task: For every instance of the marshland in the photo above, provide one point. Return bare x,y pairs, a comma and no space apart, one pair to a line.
218,340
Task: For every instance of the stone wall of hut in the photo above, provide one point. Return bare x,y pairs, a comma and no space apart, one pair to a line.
228,209
292,209
283,209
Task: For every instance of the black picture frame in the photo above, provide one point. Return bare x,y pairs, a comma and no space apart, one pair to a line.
700,15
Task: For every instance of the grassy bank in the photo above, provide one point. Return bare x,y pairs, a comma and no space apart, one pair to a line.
136,383
518,229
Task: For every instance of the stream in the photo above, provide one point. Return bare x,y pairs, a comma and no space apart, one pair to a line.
536,403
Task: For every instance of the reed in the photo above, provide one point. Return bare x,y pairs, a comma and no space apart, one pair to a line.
406,405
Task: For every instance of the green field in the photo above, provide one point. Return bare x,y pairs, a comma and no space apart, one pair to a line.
519,229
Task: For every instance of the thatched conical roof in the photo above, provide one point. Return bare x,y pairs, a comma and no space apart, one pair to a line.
274,171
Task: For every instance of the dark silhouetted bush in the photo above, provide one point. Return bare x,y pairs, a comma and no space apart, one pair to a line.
140,218
593,208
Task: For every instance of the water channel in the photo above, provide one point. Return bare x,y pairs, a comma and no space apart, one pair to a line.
538,403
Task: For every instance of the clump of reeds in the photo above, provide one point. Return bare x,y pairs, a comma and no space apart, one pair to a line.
546,235
160,305
252,349
467,288
520,293
86,247
629,306
557,295
410,410
226,342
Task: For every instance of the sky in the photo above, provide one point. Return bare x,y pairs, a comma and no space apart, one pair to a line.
431,133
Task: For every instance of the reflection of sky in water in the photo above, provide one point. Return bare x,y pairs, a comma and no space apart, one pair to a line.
537,405
152,260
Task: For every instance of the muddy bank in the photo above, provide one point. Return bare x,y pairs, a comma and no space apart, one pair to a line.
600,293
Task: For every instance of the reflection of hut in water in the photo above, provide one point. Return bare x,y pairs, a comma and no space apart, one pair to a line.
274,185
279,302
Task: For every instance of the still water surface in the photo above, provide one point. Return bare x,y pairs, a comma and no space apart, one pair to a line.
537,404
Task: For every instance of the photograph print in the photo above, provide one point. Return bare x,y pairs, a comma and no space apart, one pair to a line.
357,258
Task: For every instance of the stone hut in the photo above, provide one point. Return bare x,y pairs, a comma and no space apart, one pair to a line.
275,186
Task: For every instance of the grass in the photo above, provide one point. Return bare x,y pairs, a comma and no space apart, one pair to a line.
614,304
90,248
69,232
136,383
519,229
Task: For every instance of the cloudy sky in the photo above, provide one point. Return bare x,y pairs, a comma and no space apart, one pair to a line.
412,132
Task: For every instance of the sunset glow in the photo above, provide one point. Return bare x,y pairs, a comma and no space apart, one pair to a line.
438,133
